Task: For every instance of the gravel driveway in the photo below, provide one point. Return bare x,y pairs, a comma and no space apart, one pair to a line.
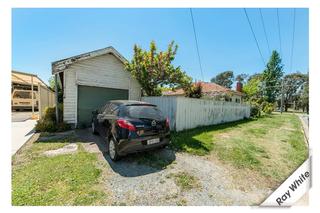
133,181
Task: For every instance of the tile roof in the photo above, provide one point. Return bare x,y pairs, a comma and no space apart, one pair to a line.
207,88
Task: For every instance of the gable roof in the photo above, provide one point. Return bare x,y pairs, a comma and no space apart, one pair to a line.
211,89
59,66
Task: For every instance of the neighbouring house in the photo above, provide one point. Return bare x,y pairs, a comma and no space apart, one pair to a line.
214,91
90,80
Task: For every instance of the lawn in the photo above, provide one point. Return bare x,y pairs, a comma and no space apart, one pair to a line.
69,179
271,145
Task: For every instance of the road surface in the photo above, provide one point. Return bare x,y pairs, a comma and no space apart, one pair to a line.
21,116
22,128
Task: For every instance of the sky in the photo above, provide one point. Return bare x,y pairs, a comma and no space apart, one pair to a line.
225,41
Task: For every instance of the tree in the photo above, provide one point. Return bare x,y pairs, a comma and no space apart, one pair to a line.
272,77
293,87
195,91
252,88
224,79
242,77
303,97
154,69
52,86
253,92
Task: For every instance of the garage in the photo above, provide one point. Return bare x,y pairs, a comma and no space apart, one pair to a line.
91,79
91,98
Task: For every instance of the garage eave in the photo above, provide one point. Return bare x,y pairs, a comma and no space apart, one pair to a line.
61,65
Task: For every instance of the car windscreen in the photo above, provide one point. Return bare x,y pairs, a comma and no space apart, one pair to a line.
22,94
143,111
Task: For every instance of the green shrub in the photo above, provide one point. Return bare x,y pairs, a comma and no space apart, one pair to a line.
45,126
268,108
50,114
63,126
49,124
255,110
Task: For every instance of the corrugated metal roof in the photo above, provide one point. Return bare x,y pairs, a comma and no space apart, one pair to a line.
25,78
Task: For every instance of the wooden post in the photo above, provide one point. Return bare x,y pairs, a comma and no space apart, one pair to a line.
32,98
39,102
56,93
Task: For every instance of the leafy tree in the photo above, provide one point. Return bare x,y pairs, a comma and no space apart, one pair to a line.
155,70
195,91
292,88
242,77
224,79
272,77
252,88
253,92
52,86
304,96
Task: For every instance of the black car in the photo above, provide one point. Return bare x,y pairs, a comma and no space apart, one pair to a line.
131,126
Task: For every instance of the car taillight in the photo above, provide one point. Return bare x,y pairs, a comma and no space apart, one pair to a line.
167,122
126,125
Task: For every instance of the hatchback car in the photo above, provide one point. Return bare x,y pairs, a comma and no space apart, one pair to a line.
131,126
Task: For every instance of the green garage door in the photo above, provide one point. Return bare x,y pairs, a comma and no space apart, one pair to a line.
92,98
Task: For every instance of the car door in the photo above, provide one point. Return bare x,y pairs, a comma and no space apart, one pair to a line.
101,119
110,114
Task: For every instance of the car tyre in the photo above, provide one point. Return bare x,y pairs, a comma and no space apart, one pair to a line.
93,128
113,150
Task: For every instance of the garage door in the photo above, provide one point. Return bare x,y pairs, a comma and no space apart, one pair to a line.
92,98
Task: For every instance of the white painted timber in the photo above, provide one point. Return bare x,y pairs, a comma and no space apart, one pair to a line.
102,71
188,113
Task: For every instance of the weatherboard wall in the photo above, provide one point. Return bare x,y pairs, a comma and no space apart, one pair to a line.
102,71
188,113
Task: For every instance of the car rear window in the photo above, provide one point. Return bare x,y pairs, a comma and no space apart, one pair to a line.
142,111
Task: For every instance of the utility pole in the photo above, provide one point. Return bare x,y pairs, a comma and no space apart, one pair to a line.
282,91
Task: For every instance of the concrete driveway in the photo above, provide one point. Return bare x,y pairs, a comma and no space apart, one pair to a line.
21,116
20,133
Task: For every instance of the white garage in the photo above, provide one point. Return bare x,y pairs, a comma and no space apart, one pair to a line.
90,80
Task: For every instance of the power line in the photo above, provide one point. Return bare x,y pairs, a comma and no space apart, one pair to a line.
292,44
196,40
264,29
254,35
279,31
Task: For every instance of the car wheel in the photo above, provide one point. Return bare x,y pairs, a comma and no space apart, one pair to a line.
113,150
93,128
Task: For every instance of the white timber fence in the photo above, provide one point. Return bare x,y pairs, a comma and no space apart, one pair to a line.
46,99
187,113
